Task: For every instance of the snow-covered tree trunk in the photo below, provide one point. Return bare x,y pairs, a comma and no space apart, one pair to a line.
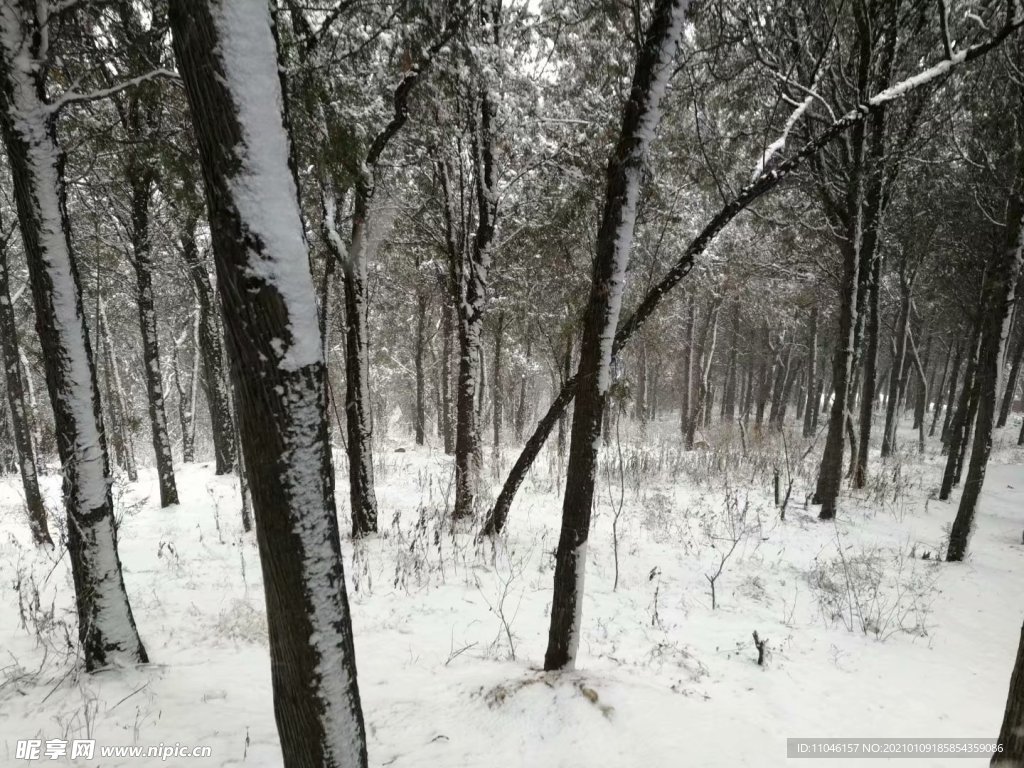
218,399
141,184
20,423
614,241
227,55
106,627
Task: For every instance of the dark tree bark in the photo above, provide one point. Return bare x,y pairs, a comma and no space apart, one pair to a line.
686,385
186,402
270,315
447,331
20,426
496,380
520,416
141,183
960,424
1000,285
106,626
138,110
811,407
958,360
732,371
218,399
420,417
705,356
565,372
896,377
869,371
1011,736
124,446
1010,391
942,387
614,239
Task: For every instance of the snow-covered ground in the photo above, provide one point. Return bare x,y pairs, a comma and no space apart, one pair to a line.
867,634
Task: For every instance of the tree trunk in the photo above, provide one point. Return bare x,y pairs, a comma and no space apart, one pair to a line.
218,399
19,416
421,415
141,183
708,336
106,627
1011,736
732,373
960,425
954,378
869,370
898,370
614,240
686,386
496,380
830,473
937,406
447,331
1001,281
227,57
124,446
1010,391
186,405
811,406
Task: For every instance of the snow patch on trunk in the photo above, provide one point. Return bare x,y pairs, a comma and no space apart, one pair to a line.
264,186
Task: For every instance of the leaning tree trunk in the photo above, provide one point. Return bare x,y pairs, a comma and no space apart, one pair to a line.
1010,752
226,53
218,399
20,425
1001,282
106,626
640,119
141,186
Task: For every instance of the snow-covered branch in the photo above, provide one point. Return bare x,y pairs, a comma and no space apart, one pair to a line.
73,97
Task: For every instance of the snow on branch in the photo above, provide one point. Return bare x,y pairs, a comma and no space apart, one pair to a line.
73,97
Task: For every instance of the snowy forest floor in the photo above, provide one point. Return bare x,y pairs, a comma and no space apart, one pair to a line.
868,635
